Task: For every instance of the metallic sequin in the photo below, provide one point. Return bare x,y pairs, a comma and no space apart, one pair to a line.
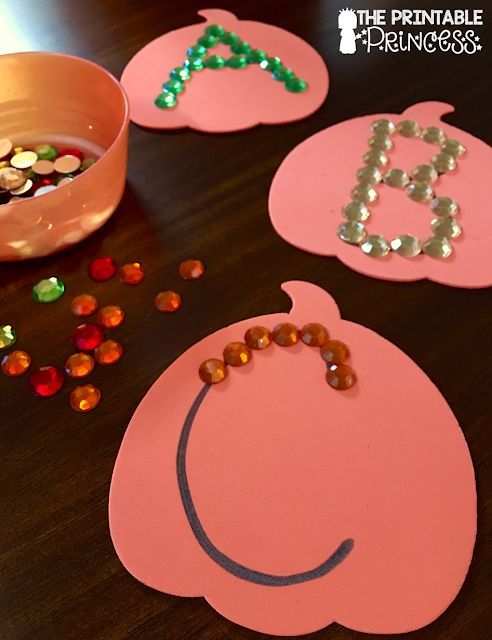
408,129
364,192
356,211
352,232
375,157
5,147
396,178
383,126
23,160
369,174
446,228
67,164
424,173
375,246
434,135
23,189
46,189
444,206
11,178
443,162
453,148
439,248
419,191
406,245
43,167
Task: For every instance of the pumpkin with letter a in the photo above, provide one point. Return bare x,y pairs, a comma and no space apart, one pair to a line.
289,504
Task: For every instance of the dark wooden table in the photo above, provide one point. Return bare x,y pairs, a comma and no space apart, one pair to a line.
60,575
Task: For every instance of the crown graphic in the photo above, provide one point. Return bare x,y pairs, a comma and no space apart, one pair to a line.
346,11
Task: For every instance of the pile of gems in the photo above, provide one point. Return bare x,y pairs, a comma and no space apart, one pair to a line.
28,172
88,338
418,186
237,354
197,58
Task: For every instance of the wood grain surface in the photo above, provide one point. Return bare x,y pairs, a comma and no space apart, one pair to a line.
197,195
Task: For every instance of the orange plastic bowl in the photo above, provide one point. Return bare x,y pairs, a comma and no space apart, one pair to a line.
70,102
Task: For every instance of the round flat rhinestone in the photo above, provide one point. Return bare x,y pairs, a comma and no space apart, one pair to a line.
7,336
396,178
383,126
215,30
375,246
446,228
439,248
314,334
375,157
295,85
108,352
208,40
191,269
239,61
84,305
419,191
443,162
197,50
180,73
406,246
271,64
167,99
48,290
408,129
453,148
131,274
46,381
364,192
285,334
212,371
237,354
214,62
381,142
85,398
111,316
16,363
167,301
258,338
351,232
173,86
444,206
79,365
341,376
424,173
334,352
369,174
356,211
102,269
434,135
87,337
257,56
194,63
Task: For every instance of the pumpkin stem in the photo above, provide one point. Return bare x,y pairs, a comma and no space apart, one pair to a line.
311,302
426,113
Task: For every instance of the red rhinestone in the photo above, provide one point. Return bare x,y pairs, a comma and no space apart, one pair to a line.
102,269
72,152
46,381
87,337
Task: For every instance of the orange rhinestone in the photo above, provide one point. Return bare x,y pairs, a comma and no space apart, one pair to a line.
314,334
16,363
131,273
258,338
84,305
79,365
285,334
167,301
108,352
85,398
212,371
237,354
111,316
341,376
191,269
334,352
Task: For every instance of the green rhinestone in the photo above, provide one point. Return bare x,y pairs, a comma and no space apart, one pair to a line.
237,62
240,47
173,86
257,55
214,30
180,73
207,41
166,100
45,152
295,85
86,163
193,63
228,37
197,51
283,74
7,336
214,62
48,290
271,64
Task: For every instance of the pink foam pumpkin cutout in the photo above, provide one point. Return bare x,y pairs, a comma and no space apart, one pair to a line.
224,99
314,181
315,505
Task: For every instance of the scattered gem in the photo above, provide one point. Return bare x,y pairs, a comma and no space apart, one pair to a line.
23,159
191,269
111,316
46,381
334,352
167,301
396,178
132,273
237,354
102,269
108,352
7,336
85,398
352,232
444,206
439,248
16,363
87,337
79,365
285,334
212,371
87,163
48,290
341,376
314,334
84,305
67,164
45,152
375,246
406,246
446,228
258,338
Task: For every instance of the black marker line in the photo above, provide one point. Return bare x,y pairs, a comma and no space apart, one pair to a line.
230,565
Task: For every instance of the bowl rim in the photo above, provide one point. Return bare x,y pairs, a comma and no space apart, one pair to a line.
119,135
